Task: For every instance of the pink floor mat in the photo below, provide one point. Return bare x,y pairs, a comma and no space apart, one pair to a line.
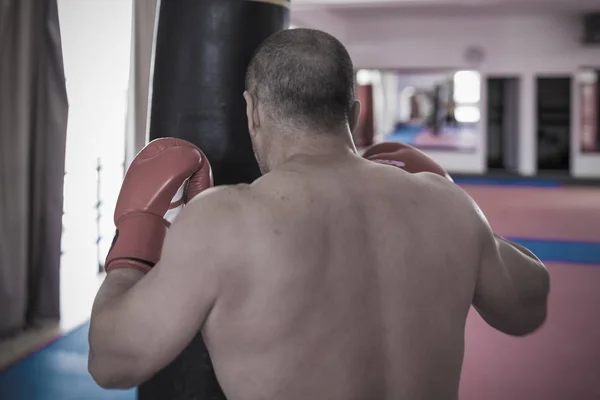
559,362
541,213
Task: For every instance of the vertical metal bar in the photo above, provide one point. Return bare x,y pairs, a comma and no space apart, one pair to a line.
99,215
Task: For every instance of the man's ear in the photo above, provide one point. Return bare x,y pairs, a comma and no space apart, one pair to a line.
251,113
354,115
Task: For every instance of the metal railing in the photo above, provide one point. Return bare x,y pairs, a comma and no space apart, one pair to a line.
99,236
98,211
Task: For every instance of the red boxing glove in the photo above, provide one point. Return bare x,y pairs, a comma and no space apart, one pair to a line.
403,156
162,178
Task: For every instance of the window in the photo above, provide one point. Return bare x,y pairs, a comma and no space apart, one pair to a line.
467,93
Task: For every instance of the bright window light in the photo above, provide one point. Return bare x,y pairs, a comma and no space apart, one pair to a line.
467,114
467,86
363,77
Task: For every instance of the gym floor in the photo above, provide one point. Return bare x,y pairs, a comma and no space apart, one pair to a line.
562,361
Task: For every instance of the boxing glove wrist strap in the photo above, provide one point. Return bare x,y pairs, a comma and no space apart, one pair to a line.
138,242
395,163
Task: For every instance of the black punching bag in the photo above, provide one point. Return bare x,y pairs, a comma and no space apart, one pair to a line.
202,50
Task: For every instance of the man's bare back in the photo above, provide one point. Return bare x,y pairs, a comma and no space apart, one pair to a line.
353,291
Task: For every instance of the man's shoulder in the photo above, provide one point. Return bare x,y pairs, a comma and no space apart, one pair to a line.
432,183
229,204
217,214
451,202
221,196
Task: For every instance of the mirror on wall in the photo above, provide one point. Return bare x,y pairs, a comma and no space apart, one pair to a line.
428,110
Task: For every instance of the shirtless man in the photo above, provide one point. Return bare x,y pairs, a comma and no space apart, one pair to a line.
331,277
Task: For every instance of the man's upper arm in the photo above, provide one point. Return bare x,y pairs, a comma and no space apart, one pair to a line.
172,302
512,285
494,292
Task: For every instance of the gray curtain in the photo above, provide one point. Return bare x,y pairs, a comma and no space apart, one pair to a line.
142,47
33,122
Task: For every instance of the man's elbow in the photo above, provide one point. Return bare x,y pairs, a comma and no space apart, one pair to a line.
531,308
530,321
522,320
113,374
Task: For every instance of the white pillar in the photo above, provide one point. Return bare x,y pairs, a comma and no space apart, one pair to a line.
527,140
144,20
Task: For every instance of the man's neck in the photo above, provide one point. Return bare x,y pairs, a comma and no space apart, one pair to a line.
327,145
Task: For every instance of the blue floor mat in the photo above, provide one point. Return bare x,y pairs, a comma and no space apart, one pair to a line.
57,372
563,251
488,181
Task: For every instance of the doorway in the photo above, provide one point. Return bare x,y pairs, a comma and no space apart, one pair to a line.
553,124
502,123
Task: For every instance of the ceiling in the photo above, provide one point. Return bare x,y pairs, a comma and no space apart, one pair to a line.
386,6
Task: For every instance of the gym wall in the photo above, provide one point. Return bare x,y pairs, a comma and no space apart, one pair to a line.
520,45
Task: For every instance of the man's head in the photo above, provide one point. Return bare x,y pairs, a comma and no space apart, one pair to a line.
300,82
